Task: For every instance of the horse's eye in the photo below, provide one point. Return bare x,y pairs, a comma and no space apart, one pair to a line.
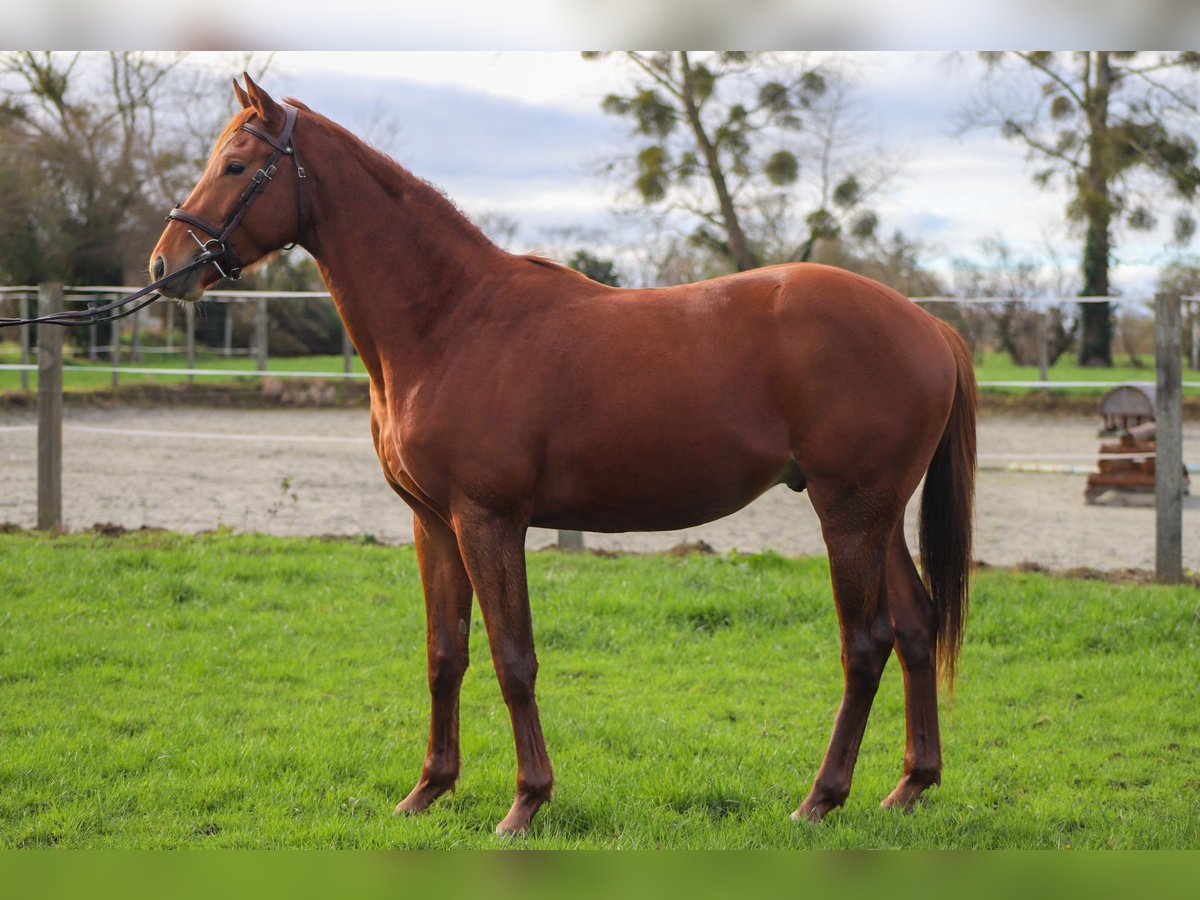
234,169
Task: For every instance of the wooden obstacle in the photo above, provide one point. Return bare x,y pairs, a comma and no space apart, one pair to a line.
1127,469
1126,406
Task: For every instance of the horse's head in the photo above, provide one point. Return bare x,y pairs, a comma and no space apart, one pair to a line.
248,203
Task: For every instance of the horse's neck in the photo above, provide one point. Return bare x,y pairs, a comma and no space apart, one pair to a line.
398,258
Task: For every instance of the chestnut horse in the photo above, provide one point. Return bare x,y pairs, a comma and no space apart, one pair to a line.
508,391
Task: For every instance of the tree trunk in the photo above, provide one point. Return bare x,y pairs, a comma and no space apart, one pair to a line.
1095,346
739,248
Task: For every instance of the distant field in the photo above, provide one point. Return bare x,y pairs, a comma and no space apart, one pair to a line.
999,367
242,691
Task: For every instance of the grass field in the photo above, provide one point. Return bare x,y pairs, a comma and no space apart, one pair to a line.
244,691
991,367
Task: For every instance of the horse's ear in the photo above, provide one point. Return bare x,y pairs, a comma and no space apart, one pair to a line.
268,110
238,90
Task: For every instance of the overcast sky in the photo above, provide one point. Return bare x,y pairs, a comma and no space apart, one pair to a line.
520,133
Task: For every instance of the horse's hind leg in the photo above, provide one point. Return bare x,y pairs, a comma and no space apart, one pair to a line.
447,618
913,621
857,530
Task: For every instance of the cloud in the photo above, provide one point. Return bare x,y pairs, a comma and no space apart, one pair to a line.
450,133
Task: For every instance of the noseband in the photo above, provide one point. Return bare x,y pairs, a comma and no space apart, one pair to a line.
217,248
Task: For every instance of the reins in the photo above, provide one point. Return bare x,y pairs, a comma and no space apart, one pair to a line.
216,250
110,312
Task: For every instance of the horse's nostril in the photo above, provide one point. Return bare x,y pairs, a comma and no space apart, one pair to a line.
160,268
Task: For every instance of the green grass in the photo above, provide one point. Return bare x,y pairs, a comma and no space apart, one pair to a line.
243,691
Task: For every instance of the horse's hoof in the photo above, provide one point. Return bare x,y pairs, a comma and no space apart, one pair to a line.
813,811
514,827
419,800
907,795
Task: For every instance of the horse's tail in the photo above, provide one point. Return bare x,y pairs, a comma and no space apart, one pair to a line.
947,505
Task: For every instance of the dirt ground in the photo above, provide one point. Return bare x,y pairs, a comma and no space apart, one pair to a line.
314,472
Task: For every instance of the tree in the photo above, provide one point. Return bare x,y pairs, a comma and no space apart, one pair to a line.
297,326
86,158
500,227
1017,323
724,137
1100,122
894,261
595,268
94,148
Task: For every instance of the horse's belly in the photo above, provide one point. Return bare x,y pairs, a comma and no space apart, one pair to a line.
659,518
656,499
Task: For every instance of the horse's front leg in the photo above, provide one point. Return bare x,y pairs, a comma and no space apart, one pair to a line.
493,549
448,621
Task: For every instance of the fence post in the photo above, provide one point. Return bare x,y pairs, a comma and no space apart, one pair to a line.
1195,317
1044,347
260,334
170,328
114,353
49,406
570,541
137,336
229,308
1168,463
347,350
189,316
25,354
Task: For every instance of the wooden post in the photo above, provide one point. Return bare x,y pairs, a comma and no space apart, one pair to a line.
1195,317
93,350
1168,463
229,308
260,334
50,408
347,350
137,336
570,541
170,329
114,353
25,354
1044,347
189,315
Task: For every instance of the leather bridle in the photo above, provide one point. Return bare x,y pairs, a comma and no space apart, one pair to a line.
216,250
218,246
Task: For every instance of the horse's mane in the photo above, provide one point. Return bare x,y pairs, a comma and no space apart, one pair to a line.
397,181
